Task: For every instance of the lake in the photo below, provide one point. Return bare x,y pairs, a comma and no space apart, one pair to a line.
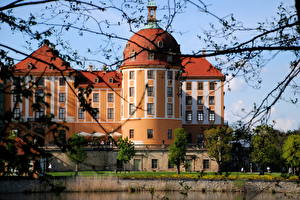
148,196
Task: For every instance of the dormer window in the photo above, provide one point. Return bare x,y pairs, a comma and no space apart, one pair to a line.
132,55
96,80
160,44
150,55
169,58
111,80
30,66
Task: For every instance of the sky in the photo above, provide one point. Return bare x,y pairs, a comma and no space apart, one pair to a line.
186,28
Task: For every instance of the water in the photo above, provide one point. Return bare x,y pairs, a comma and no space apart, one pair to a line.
148,196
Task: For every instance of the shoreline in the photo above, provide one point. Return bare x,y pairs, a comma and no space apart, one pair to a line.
115,184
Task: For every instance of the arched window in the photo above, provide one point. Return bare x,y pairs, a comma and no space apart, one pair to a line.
160,44
132,55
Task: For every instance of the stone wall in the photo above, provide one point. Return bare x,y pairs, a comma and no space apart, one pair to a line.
106,160
94,184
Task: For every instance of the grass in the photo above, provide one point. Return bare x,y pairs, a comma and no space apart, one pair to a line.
183,175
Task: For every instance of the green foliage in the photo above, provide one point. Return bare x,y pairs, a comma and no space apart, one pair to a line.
266,148
177,150
218,144
126,150
291,150
75,149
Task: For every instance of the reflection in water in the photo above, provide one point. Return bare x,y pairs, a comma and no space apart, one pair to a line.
147,196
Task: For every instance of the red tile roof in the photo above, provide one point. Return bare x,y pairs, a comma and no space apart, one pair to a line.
200,67
146,39
101,78
40,59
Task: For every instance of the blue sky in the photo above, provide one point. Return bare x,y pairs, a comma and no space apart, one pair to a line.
186,27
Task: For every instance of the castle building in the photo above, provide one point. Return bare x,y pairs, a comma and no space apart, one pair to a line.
152,93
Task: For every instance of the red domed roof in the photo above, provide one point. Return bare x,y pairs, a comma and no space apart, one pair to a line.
158,42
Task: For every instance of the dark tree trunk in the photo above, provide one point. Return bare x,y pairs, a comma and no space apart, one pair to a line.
178,168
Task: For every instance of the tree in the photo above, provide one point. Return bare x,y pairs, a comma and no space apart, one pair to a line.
76,150
291,151
177,149
218,144
126,150
266,150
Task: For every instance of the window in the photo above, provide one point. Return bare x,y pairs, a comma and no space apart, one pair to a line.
188,86
110,97
170,164
39,113
150,91
132,55
199,100
131,109
39,95
154,163
170,109
211,115
62,81
169,58
211,85
170,75
150,108
170,135
200,85
17,113
16,97
41,81
110,113
150,55
211,100
131,133
80,113
150,74
170,91
131,91
95,97
96,113
62,97
111,80
149,133
200,115
188,100
188,115
205,164
61,114
160,44
131,74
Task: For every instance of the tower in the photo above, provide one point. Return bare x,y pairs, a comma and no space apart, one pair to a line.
151,103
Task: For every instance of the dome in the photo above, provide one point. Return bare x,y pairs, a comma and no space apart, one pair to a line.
151,46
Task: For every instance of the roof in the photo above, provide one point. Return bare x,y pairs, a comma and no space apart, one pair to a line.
101,78
41,60
154,39
200,68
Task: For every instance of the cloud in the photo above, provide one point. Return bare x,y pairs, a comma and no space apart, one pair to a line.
234,84
285,124
236,111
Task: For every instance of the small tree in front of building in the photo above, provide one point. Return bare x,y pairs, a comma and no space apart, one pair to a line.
177,150
266,150
75,150
126,150
291,152
218,144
